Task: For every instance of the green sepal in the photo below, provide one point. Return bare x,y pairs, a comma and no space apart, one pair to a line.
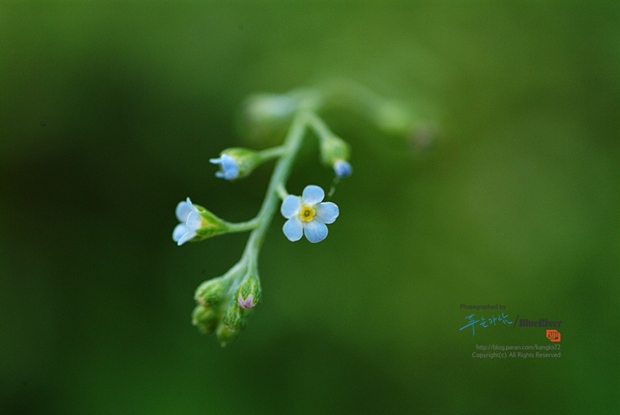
333,149
211,225
233,316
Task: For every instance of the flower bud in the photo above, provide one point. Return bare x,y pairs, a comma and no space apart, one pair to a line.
393,118
248,294
342,168
236,163
210,292
270,107
205,318
335,153
225,334
233,316
267,116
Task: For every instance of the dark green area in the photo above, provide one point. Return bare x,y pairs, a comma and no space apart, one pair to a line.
109,112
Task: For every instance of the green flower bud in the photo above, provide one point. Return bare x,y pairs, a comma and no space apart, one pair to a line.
393,118
211,291
335,153
205,318
225,335
266,117
249,293
334,148
233,316
268,108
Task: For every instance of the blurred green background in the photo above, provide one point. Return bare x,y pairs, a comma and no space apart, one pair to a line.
109,112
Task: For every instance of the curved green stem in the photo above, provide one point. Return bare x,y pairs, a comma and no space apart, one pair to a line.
281,191
320,128
243,226
281,172
272,153
260,224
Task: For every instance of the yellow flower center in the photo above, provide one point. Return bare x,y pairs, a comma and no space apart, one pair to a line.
306,213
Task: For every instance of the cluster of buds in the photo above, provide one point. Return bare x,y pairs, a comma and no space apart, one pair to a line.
222,306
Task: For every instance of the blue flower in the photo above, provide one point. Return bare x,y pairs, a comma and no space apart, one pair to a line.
342,168
230,168
308,215
190,220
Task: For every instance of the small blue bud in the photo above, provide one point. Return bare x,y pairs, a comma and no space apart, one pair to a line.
230,168
236,163
342,168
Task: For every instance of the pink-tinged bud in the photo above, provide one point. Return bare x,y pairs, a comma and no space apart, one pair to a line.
246,302
248,294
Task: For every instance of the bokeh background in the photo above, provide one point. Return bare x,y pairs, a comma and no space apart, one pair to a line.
109,112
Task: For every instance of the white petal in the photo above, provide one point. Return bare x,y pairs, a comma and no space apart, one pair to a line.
290,206
327,212
194,221
315,231
178,232
186,237
293,229
312,194
229,167
184,209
